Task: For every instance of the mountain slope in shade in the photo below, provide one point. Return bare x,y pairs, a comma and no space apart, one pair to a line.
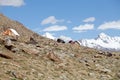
102,42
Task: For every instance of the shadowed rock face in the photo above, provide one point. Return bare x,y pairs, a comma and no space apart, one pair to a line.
44,59
60,41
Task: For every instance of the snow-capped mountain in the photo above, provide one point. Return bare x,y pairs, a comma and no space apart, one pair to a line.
48,35
51,36
102,42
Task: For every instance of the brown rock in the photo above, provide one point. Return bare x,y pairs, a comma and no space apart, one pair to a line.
31,51
53,57
118,75
7,42
97,56
5,56
1,41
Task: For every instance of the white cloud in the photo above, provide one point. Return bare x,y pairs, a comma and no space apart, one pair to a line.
110,25
65,38
48,35
51,20
15,3
90,19
83,28
55,28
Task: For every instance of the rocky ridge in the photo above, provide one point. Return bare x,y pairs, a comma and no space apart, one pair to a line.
40,58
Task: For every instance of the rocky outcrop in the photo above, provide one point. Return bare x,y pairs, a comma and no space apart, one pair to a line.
5,56
53,57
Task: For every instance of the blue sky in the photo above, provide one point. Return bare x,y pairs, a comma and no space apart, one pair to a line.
76,19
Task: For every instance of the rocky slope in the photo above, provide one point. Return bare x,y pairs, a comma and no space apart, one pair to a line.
40,58
25,33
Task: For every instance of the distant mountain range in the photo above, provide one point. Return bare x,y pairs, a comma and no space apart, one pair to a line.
102,42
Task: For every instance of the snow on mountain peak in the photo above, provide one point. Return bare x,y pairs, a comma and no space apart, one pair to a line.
102,35
103,41
48,35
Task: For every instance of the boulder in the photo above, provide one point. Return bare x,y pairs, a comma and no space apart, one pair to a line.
31,51
53,57
1,41
60,41
5,56
108,54
32,41
8,43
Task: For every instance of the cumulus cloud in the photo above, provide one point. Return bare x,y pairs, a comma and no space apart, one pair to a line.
90,19
55,28
14,3
83,28
110,25
51,20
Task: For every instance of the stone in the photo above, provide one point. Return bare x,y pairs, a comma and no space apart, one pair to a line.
5,56
108,54
118,74
7,42
91,74
31,51
32,41
53,57
106,70
97,56
1,41
15,50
